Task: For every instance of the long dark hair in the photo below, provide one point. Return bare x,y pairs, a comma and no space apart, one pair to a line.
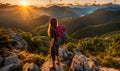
52,24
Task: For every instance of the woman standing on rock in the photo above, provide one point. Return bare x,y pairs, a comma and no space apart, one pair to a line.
52,34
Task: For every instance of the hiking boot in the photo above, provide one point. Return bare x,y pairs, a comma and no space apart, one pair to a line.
52,69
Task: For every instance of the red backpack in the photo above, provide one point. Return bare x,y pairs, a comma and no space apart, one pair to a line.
60,35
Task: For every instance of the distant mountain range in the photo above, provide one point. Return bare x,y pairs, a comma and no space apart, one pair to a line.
64,12
99,22
85,21
100,16
32,17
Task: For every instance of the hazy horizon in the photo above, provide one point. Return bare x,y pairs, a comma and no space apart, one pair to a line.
45,2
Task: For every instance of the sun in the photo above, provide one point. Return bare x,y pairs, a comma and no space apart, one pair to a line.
24,3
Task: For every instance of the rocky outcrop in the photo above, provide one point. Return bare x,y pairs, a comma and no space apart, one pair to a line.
30,67
10,62
72,61
20,42
65,55
12,59
81,63
11,67
9,56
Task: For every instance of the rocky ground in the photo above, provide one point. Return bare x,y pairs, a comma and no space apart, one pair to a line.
9,61
75,61
72,62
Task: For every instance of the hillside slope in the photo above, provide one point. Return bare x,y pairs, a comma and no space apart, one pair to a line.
97,30
99,17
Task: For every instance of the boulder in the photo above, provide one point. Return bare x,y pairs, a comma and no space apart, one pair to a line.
65,55
12,59
92,64
86,67
30,67
11,67
81,63
20,42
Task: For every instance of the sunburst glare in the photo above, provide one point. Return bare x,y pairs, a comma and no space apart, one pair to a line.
24,3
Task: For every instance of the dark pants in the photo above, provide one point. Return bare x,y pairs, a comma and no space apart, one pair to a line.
54,52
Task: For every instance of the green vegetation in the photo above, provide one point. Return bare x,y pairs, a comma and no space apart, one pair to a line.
5,39
70,46
36,44
93,30
35,58
40,30
105,49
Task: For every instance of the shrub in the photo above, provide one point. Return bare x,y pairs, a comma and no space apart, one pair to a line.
35,58
70,46
110,62
5,39
36,44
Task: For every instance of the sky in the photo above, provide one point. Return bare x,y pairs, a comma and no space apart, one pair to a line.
44,2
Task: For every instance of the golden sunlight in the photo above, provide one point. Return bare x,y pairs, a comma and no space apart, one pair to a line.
24,3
